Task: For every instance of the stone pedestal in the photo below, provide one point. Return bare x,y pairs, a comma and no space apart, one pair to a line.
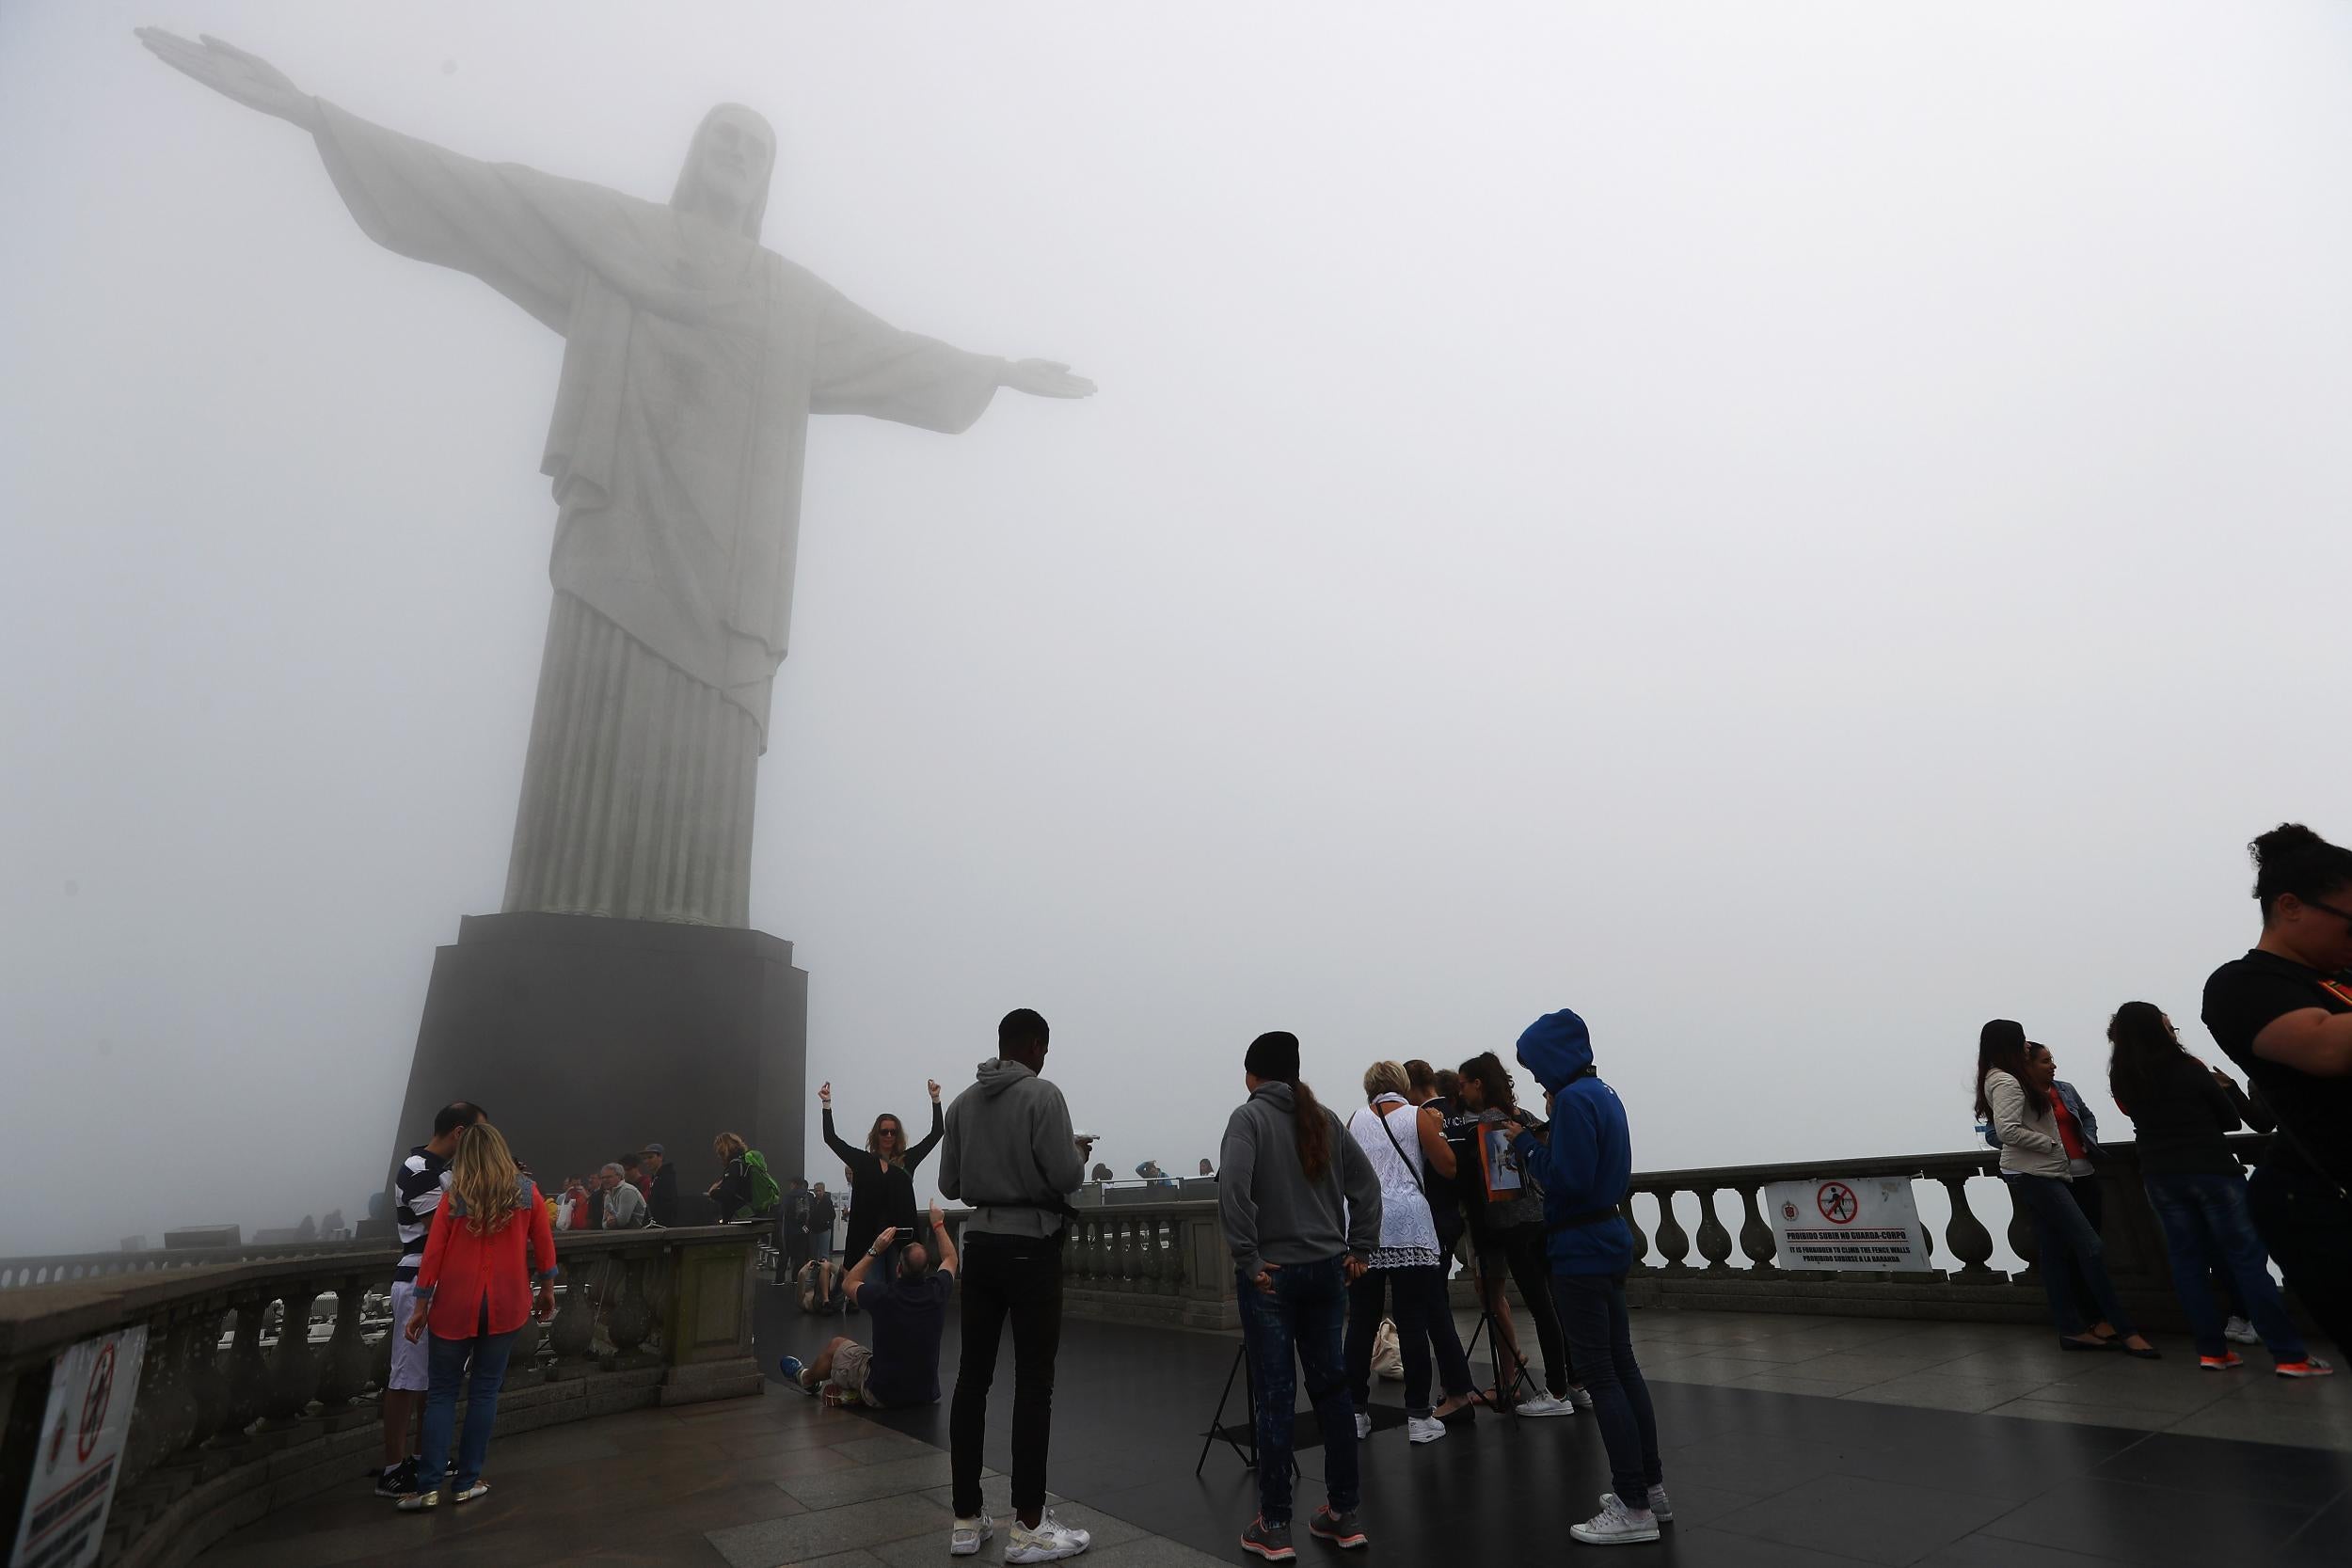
585,1036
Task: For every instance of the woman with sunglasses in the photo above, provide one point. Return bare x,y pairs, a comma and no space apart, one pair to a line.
2013,1093
882,1175
2283,1014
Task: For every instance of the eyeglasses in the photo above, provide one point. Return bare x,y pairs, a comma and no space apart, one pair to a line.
2328,909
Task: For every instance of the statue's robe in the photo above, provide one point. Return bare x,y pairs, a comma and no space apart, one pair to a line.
693,358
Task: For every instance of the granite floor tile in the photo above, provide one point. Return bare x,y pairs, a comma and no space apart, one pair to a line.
825,1532
2154,1525
1864,1517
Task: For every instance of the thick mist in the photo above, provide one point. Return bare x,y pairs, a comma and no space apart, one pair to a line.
1791,529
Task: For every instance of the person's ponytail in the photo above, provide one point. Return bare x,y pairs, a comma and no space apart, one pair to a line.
1273,1058
1314,1130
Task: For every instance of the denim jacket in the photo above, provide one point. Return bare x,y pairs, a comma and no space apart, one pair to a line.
2083,1119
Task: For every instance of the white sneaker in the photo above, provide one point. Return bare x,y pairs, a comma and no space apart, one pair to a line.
2241,1331
1051,1539
1363,1425
1544,1405
1616,1525
968,1535
1423,1429
1660,1505
1580,1396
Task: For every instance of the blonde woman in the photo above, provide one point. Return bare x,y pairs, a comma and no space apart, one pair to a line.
490,1240
1406,1147
732,1192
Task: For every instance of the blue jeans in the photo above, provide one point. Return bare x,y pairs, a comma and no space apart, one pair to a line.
2068,1246
1600,1342
448,1369
1305,1314
2208,1225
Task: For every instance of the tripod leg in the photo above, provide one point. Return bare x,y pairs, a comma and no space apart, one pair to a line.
1216,1421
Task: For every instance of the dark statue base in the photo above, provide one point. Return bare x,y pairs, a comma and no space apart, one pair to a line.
585,1037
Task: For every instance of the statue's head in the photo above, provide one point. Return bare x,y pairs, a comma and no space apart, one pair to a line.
727,168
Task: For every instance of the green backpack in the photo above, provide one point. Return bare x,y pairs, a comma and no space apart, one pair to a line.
766,1194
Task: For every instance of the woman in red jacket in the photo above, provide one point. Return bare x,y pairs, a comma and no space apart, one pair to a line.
474,1290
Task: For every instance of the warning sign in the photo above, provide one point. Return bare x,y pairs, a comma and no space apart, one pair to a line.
91,1389
1864,1223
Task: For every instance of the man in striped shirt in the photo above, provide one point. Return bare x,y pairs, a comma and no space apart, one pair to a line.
423,1177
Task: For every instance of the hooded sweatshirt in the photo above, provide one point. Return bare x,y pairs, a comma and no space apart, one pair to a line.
1011,1156
1588,1164
1271,1211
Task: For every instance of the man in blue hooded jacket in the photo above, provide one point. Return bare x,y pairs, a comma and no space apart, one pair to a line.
1585,1165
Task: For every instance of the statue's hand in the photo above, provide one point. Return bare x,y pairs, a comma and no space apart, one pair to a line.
229,71
1046,378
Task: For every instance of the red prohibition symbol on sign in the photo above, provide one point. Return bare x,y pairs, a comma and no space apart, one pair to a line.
94,1401
1837,1202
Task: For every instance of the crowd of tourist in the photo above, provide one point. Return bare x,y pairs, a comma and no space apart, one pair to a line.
1341,1229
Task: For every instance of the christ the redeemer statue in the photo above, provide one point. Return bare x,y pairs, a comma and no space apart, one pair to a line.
693,357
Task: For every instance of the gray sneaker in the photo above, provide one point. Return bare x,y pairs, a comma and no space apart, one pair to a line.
1341,1530
1271,1541
1661,1507
1616,1525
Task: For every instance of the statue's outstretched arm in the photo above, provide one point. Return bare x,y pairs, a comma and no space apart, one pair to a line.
229,71
1045,378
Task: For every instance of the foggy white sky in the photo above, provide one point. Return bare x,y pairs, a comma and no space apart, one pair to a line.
1792,529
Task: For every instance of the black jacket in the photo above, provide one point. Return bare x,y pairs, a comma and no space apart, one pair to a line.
661,1203
881,1195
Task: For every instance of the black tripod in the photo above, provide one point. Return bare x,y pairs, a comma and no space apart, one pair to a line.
1219,1431
1506,1394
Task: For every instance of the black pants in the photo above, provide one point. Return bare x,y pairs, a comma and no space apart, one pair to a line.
1520,1249
2306,1226
1425,1324
1017,1277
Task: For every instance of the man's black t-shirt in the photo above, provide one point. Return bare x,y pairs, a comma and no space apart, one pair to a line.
907,1321
2243,998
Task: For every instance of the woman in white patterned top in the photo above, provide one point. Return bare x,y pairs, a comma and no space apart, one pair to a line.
1407,1270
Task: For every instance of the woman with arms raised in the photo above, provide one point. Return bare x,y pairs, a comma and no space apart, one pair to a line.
882,1175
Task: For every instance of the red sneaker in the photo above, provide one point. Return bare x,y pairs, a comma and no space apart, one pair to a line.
2222,1363
2310,1366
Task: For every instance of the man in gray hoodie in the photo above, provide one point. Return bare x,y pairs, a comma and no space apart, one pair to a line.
1010,1158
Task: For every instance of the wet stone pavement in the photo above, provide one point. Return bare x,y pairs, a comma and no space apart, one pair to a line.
1786,1440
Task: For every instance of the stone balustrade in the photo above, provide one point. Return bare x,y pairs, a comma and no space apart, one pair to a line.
1704,1242
256,1385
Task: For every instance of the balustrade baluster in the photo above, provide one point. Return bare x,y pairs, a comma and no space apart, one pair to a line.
1714,1240
1641,1241
344,1377
574,1332
1970,1241
293,1372
162,1415
1755,1235
630,1321
2022,1240
522,1357
1673,1243
208,1386
248,1372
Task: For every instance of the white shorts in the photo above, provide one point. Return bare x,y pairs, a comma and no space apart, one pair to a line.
410,1360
